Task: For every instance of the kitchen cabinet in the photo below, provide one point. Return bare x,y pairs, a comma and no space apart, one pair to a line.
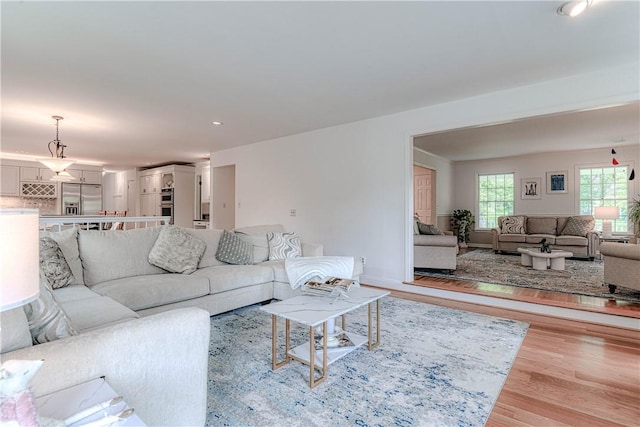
150,184
9,180
28,173
206,185
84,176
178,181
150,204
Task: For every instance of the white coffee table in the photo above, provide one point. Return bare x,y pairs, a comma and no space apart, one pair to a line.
532,257
313,311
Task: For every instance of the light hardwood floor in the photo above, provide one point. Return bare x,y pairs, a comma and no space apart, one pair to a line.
566,372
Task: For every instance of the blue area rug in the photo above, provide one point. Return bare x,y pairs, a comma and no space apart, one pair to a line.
435,367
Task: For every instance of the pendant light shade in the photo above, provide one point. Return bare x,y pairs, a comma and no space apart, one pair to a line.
58,162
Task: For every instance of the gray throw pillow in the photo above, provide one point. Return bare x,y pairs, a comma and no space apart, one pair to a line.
233,250
176,251
578,227
428,229
53,264
47,319
283,245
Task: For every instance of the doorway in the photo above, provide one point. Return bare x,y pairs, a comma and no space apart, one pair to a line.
224,198
424,194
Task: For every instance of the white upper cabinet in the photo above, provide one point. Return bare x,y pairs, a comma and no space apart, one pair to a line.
9,180
84,176
28,173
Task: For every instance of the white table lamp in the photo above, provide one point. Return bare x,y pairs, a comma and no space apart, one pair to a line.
19,257
606,213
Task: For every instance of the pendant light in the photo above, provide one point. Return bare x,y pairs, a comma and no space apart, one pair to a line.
58,162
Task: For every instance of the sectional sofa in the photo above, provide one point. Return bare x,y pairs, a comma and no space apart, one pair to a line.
570,233
144,328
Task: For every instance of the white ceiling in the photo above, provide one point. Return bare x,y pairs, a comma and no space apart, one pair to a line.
601,128
140,82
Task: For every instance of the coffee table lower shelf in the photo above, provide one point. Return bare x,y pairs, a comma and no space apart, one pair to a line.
301,353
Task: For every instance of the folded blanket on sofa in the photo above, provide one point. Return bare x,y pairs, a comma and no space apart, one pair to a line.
299,270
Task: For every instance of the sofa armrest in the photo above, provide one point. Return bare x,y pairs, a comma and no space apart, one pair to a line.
312,249
620,250
495,238
593,243
159,364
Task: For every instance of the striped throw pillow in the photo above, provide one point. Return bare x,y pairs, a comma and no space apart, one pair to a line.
512,225
283,245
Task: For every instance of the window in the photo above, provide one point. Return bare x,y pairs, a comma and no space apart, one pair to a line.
605,186
496,197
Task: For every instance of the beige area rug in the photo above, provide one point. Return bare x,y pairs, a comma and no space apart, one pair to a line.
583,277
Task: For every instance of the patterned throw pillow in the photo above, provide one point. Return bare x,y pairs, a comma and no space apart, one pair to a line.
283,245
512,225
428,229
53,264
578,227
176,251
233,250
47,319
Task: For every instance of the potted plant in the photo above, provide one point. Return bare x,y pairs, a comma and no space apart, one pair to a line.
461,222
634,216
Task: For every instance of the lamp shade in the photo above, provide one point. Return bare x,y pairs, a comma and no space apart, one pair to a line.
19,257
607,212
56,164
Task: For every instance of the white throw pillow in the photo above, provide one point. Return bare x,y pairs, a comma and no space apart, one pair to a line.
68,242
283,245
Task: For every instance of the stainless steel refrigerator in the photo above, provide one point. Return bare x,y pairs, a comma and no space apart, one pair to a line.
81,199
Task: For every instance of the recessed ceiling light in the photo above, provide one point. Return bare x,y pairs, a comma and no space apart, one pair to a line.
573,8
217,123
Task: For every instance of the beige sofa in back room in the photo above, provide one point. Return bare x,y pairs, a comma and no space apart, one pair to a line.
552,228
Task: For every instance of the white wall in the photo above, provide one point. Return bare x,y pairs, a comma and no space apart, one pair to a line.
536,166
351,184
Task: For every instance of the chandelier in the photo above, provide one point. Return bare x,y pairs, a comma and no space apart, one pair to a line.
58,162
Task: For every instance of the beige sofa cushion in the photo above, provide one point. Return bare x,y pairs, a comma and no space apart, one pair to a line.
571,241
153,290
434,240
211,237
537,238
228,277
96,312
110,255
541,225
518,238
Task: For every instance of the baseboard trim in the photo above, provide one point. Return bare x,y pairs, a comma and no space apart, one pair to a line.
538,309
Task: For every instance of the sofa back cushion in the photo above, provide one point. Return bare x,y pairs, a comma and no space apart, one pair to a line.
256,235
542,225
67,240
110,255
211,238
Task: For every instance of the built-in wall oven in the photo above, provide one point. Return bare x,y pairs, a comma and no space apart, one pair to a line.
167,203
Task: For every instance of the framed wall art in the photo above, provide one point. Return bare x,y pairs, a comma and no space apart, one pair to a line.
557,182
530,188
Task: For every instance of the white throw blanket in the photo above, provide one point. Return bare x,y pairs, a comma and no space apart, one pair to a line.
299,270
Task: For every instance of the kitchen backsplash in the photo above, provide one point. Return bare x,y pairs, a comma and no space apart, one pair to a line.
46,206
